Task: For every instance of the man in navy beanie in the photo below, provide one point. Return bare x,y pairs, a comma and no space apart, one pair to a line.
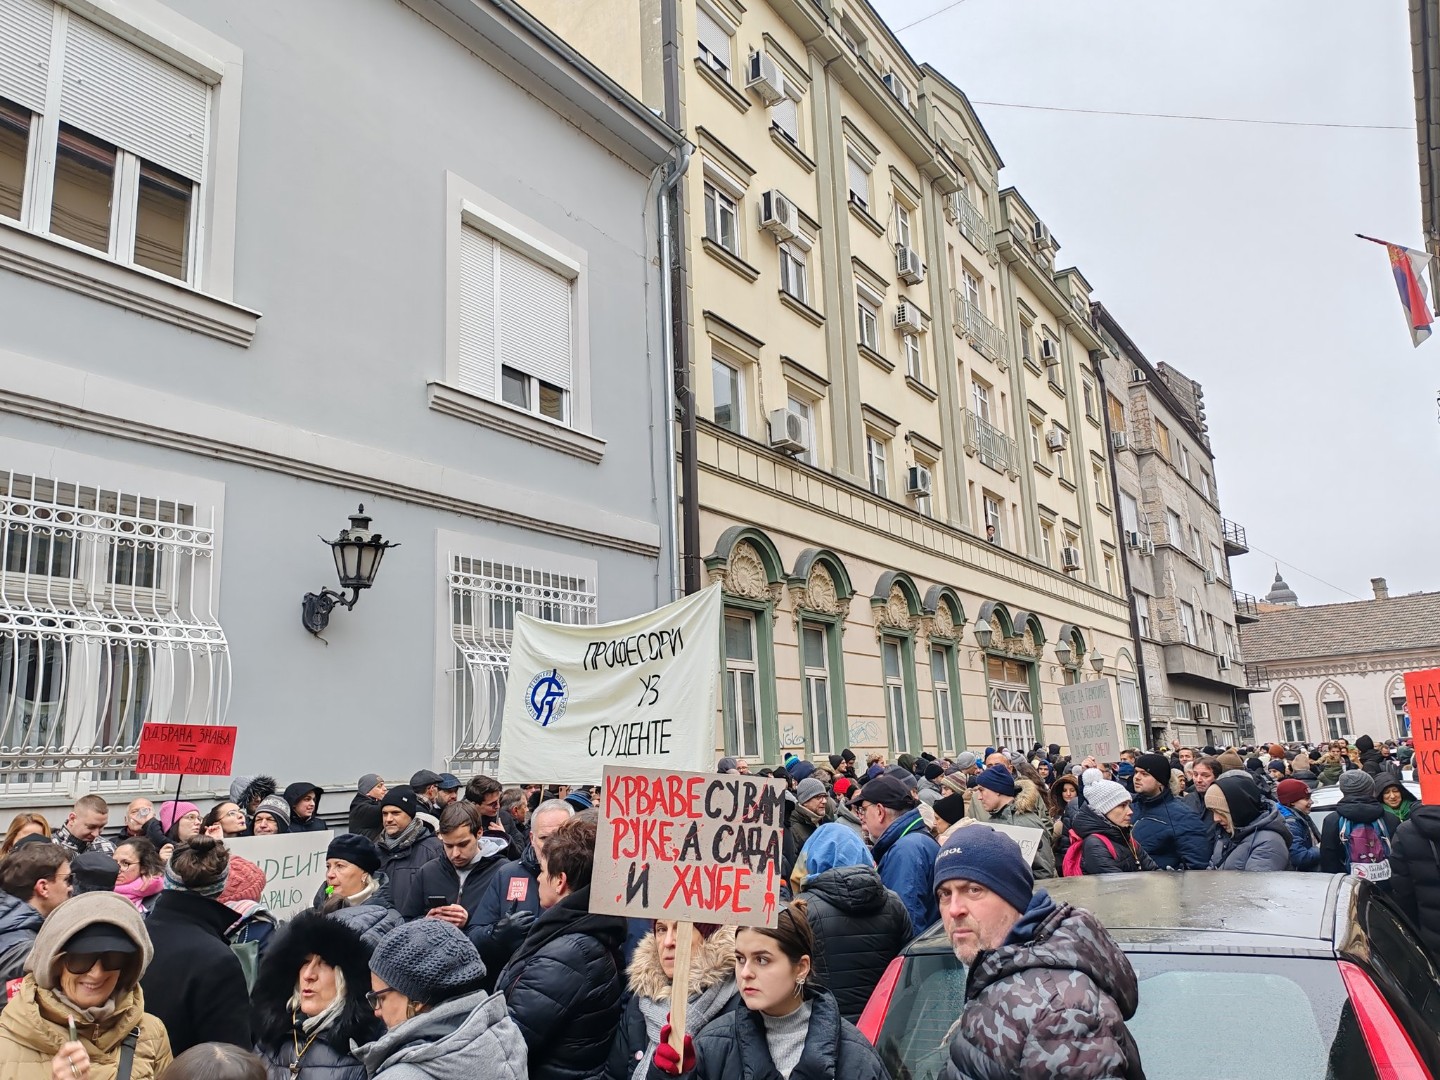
1048,991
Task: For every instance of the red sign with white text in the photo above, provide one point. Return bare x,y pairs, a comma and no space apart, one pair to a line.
186,750
1422,697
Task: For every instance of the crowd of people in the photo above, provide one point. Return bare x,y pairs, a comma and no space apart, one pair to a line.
454,937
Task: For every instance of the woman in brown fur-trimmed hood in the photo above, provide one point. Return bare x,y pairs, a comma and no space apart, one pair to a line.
712,993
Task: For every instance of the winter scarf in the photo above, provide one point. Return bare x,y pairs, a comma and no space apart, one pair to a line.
141,889
712,984
402,840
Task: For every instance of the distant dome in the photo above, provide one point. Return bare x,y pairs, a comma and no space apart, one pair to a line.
1280,593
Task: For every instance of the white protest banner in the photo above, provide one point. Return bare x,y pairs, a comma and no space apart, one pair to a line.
698,847
1090,724
1024,835
294,865
635,693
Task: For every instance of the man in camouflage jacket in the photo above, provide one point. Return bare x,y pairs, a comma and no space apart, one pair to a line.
1048,990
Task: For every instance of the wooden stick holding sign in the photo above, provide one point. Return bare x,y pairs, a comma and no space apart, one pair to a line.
690,847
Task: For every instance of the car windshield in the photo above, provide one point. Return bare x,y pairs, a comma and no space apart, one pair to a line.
1305,998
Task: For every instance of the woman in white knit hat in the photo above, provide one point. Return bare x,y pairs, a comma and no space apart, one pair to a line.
1102,827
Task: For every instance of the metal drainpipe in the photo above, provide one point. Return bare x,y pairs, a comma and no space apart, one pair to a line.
668,335
1125,561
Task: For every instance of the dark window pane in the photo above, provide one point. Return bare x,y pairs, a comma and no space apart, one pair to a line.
162,222
14,142
84,187
515,387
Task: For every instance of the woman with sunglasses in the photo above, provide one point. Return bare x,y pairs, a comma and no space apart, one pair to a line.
81,1003
309,1006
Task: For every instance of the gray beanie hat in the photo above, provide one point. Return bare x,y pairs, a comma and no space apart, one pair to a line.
428,961
965,761
727,765
1357,784
808,789
1105,795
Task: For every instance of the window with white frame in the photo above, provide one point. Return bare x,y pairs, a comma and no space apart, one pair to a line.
972,292
1197,545
728,384
877,469
1102,487
914,357
722,218
1217,562
119,138
857,172
902,224
942,660
994,516
517,323
803,408
485,595
1037,440
1047,543
1174,530
1110,573
1187,623
980,399
1057,460
1132,713
785,118
1184,463
1205,484
1092,402
107,622
794,279
714,45
867,318
1337,720
741,692
1129,513
815,651
899,677
1142,613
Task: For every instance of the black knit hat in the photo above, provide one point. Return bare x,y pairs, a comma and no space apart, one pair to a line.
354,849
1157,765
950,809
401,796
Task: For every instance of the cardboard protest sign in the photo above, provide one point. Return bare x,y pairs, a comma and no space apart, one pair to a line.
638,693
1028,838
186,750
1090,724
695,847
294,865
1422,697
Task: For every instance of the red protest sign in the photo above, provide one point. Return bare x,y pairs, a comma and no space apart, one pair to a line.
690,846
1422,698
186,750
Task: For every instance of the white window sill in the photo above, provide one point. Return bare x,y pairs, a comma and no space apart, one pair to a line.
509,420
72,267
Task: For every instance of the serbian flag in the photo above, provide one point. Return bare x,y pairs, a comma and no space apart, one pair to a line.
1408,266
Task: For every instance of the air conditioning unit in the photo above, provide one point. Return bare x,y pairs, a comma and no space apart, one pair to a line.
1119,440
1200,711
918,480
898,88
1049,352
1041,234
908,265
1209,577
1056,439
1223,661
909,318
1069,559
1147,546
777,215
764,76
789,433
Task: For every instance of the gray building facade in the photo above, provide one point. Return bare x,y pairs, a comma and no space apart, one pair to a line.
261,262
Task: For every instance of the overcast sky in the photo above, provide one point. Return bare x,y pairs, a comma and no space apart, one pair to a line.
1227,250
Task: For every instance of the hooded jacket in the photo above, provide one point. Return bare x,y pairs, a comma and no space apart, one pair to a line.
859,927
712,994
314,823
277,1026
1262,844
1374,762
905,856
1394,818
195,983
514,887
245,788
1028,810
1333,856
33,1023
735,1048
1415,872
402,865
1096,857
1051,1001
465,1038
1304,839
563,988
19,923
1171,832
365,816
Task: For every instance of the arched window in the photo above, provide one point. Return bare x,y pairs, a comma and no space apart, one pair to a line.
1335,711
748,567
820,593
1289,714
1399,710
896,606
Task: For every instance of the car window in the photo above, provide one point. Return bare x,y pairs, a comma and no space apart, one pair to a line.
1303,998
928,999
1406,974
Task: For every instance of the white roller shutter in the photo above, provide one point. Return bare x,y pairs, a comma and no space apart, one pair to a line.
25,51
477,313
126,96
534,318
712,35
859,179
786,116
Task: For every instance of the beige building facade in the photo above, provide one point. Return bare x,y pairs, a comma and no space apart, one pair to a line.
902,456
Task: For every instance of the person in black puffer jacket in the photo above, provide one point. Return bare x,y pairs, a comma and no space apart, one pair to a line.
1374,762
1103,828
365,806
858,924
810,1041
406,844
1358,806
299,1002
1415,869
564,984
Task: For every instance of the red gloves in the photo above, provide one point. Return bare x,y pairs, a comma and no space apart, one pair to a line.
668,1061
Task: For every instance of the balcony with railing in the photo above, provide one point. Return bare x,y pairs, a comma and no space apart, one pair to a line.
991,445
973,225
1247,608
1235,542
984,336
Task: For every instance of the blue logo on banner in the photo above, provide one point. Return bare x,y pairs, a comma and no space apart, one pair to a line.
545,699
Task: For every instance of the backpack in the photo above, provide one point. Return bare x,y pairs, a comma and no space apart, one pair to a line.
1070,865
1367,849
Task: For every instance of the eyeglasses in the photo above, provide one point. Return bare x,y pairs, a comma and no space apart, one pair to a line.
233,812
81,962
374,997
